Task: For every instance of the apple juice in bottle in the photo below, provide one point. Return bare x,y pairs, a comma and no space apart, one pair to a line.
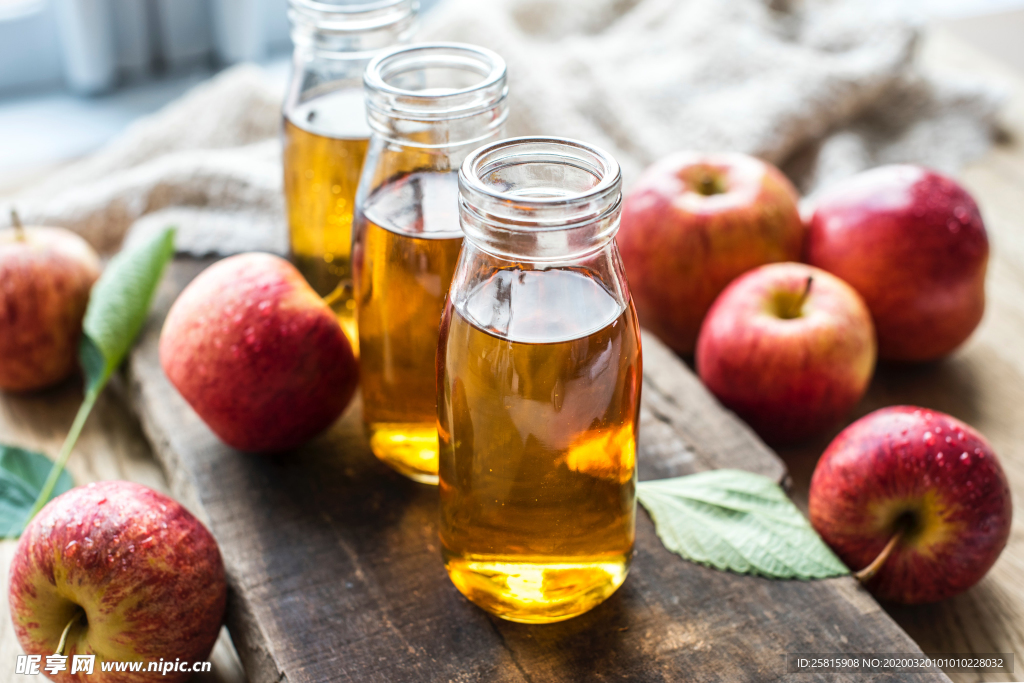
538,380
429,106
325,134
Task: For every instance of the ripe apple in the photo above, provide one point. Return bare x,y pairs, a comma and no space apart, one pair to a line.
130,574
691,224
916,500
45,278
259,356
789,348
912,242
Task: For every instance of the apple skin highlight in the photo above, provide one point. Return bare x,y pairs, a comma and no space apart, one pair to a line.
147,574
257,354
691,224
787,378
912,243
927,473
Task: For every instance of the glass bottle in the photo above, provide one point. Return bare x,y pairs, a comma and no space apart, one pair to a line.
429,106
538,381
326,134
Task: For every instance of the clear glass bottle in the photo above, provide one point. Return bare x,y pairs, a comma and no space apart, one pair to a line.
326,133
429,106
538,378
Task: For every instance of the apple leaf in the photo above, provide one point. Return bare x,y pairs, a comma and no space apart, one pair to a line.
739,521
118,306
22,476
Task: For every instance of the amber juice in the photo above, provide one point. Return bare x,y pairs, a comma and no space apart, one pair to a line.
410,245
325,142
537,422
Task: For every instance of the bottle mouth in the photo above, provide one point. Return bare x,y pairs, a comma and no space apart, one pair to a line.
436,82
351,28
515,191
347,16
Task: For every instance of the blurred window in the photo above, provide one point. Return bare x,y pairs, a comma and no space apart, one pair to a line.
92,46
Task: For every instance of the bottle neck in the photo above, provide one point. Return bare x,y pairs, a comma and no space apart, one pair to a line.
539,199
441,96
350,31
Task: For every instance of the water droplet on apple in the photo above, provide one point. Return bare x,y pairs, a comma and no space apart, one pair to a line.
929,438
953,226
939,456
938,430
928,416
964,457
949,439
960,435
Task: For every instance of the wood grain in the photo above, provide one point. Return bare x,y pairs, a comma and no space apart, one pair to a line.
336,575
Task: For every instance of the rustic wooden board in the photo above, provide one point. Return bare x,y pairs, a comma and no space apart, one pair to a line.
335,571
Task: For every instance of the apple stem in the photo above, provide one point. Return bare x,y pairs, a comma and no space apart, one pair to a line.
19,229
868,572
65,450
64,636
799,305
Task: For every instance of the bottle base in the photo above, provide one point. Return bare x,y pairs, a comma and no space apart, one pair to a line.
536,592
409,448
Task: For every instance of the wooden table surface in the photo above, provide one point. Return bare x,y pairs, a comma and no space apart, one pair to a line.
983,384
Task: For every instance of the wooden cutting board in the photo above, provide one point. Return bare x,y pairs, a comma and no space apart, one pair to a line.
335,571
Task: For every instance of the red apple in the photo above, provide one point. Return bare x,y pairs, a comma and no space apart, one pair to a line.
259,356
46,275
789,348
691,224
135,575
917,498
912,242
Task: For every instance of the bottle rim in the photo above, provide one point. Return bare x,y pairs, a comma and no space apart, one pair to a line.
540,149
358,16
435,104
548,217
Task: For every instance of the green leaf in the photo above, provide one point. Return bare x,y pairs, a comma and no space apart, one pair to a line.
119,304
739,521
22,476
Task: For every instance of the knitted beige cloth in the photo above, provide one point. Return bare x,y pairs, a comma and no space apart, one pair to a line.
824,88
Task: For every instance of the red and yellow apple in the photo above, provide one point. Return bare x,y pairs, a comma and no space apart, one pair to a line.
914,497
46,275
789,348
691,224
912,242
128,572
257,354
